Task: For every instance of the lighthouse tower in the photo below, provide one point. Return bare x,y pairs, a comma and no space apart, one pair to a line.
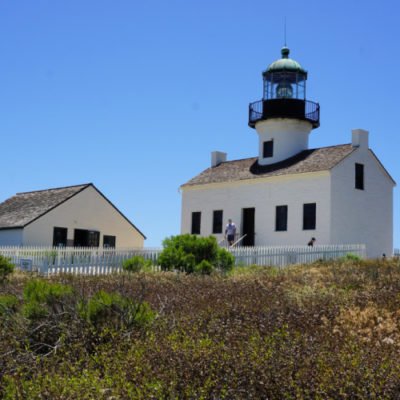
284,117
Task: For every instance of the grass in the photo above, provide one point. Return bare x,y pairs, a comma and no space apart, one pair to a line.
323,331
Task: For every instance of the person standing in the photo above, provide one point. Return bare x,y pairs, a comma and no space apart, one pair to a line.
230,232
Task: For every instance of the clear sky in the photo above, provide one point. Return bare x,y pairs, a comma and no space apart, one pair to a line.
134,95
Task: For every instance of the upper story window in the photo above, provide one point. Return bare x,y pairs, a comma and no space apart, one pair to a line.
217,221
268,149
309,216
281,215
196,222
359,176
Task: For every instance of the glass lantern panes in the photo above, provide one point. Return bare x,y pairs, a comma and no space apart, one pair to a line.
284,85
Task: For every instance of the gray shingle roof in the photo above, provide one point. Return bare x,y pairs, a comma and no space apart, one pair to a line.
23,208
321,159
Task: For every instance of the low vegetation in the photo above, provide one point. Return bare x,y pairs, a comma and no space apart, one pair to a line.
6,268
323,331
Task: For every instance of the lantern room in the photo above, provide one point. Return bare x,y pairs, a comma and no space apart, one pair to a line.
284,93
285,79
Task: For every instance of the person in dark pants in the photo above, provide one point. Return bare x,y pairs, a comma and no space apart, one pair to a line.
311,242
230,232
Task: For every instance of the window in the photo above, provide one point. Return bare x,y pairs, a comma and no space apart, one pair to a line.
268,148
309,216
109,241
281,215
359,172
196,219
93,239
60,237
217,221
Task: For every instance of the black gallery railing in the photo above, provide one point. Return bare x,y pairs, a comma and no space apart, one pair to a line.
284,108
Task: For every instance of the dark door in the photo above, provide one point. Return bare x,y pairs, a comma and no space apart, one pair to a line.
93,238
248,226
85,238
60,237
81,238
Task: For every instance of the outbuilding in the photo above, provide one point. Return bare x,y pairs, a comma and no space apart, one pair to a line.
78,216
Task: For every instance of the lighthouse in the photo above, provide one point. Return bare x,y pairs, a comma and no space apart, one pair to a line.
288,193
283,118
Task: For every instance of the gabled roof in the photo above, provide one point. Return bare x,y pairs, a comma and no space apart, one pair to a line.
313,160
24,208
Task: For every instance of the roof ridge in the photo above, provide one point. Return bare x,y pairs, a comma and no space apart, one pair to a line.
315,148
57,188
329,147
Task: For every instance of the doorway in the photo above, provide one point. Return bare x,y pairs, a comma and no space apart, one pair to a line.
85,238
248,222
60,237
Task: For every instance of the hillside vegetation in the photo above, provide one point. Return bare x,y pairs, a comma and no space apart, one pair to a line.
323,331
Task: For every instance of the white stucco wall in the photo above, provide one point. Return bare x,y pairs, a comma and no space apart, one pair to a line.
11,237
264,195
290,137
362,216
86,210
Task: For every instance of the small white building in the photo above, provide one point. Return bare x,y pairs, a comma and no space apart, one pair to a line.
69,216
289,193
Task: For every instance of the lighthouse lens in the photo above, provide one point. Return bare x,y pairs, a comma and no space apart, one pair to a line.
284,91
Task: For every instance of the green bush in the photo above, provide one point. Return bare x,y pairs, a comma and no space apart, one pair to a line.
8,303
351,257
137,264
43,298
225,260
6,268
186,252
204,268
113,310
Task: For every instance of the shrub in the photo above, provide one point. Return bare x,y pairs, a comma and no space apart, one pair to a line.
225,260
8,303
137,264
115,311
6,268
43,298
204,268
351,257
185,252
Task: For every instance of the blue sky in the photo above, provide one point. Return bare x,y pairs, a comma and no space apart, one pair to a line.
134,95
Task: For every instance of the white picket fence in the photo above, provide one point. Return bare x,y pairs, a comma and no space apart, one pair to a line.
99,261
75,260
281,256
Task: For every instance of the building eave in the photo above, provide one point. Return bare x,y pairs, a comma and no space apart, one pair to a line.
119,212
255,181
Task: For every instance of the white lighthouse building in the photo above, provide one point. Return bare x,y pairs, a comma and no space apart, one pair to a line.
289,193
